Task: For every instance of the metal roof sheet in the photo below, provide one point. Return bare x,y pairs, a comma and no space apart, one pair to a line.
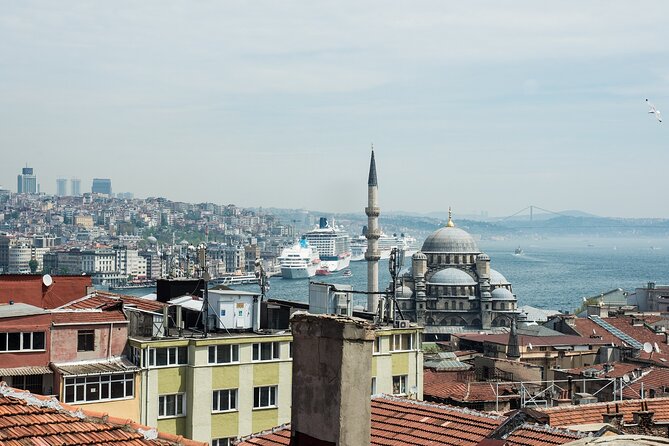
26,371
97,368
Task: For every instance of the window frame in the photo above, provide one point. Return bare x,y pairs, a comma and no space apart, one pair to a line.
83,340
83,386
174,356
163,405
275,351
402,382
233,352
272,392
232,400
398,340
5,338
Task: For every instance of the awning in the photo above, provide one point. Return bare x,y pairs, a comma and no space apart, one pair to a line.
117,365
26,371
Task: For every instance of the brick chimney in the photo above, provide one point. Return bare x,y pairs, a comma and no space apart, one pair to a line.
332,375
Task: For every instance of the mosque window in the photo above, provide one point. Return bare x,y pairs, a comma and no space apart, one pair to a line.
439,260
461,306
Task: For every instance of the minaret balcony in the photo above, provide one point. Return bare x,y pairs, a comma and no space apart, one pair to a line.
371,257
373,234
373,211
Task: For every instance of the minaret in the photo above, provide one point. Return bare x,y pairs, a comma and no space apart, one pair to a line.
372,255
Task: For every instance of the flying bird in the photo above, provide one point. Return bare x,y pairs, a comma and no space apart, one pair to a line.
654,110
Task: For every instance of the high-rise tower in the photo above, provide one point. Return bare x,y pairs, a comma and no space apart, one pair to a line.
61,187
27,182
373,233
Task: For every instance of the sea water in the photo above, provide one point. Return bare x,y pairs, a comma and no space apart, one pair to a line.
551,273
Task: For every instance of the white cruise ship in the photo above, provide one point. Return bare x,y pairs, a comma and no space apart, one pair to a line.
299,261
333,244
404,243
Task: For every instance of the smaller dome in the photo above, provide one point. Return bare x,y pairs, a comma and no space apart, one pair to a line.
496,278
451,276
483,256
404,292
502,294
419,256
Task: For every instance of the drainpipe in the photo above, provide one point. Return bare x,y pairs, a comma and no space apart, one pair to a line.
109,340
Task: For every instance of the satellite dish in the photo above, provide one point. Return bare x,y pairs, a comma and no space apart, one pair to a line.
648,347
657,348
626,378
529,345
47,280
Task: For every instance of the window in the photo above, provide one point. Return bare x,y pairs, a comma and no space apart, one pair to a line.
80,389
85,340
221,441
264,397
403,342
223,354
400,385
13,342
31,383
224,400
374,386
168,356
377,344
171,405
265,351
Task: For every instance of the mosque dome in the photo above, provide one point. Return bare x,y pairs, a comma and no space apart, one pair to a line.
451,276
496,278
450,239
502,294
404,292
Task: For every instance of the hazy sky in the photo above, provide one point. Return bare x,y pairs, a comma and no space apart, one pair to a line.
477,105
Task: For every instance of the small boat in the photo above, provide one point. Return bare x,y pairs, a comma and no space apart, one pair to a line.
347,273
518,251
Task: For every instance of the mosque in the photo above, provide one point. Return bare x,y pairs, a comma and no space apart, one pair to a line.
451,287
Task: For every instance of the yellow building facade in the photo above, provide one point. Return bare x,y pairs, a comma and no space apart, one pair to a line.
226,386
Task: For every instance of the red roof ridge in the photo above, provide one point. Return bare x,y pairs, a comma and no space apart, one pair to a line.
265,432
427,404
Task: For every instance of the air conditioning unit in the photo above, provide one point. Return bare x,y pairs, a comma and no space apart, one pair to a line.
401,323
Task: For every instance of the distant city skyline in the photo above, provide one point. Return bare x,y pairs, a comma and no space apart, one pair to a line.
482,107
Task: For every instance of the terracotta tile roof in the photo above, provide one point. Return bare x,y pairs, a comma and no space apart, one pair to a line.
103,299
585,327
640,333
537,341
29,289
616,370
399,422
592,413
655,379
60,317
38,420
439,385
527,435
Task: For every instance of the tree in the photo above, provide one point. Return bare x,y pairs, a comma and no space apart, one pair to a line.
33,266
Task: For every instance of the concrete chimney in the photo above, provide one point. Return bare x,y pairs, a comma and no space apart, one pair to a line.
332,375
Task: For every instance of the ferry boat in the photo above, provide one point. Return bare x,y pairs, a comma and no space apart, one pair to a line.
518,251
299,261
333,245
